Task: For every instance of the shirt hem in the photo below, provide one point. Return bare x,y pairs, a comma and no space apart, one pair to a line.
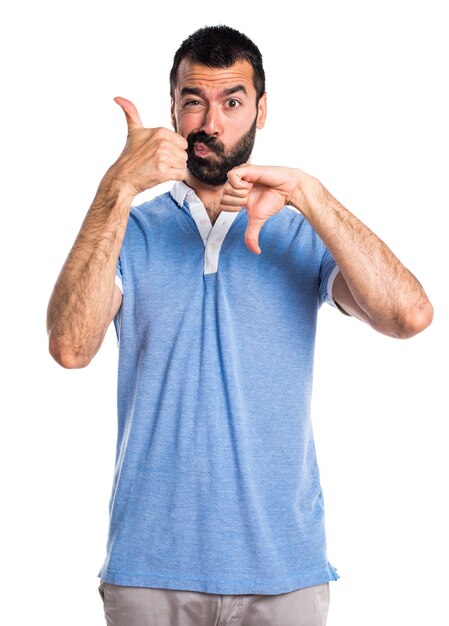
217,587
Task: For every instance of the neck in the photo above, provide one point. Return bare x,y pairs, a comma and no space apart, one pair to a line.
209,195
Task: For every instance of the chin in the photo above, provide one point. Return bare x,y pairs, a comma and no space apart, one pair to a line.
210,181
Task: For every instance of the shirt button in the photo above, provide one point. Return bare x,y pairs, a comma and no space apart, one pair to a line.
203,221
214,246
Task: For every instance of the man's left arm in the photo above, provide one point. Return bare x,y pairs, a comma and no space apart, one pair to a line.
372,284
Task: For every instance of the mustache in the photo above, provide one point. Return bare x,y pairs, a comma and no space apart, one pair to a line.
201,137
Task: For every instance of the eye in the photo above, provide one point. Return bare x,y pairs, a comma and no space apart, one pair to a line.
191,103
232,103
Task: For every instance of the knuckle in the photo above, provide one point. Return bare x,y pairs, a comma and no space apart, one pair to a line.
159,133
166,133
167,144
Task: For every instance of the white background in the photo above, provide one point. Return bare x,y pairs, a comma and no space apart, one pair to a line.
358,97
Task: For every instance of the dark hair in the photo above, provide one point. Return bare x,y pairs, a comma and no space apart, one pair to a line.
220,47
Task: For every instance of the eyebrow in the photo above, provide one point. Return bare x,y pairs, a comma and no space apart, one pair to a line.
197,91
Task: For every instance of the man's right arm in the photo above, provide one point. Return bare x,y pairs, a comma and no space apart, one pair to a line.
85,298
84,301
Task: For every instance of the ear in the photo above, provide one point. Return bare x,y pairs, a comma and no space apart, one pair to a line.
262,111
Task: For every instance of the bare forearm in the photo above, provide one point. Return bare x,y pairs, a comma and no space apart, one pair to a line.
80,306
391,298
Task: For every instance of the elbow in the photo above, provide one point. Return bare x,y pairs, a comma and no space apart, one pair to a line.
70,362
416,321
66,358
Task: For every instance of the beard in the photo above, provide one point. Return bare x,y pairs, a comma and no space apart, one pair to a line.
213,170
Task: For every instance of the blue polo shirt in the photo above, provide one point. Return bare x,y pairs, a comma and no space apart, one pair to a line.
216,485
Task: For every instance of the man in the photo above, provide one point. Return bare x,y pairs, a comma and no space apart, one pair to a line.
216,511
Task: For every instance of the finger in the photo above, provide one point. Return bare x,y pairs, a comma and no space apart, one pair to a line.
132,115
176,141
230,192
180,153
236,187
179,162
252,234
236,181
181,141
244,174
178,173
231,204
234,199
176,159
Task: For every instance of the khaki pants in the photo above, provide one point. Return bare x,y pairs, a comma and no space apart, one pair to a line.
143,606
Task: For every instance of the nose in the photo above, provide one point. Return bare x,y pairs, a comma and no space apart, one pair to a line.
212,122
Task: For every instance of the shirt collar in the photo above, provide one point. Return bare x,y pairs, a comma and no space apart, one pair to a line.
180,192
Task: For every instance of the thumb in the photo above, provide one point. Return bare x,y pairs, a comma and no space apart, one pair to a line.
132,115
252,233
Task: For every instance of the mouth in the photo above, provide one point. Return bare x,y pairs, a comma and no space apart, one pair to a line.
201,150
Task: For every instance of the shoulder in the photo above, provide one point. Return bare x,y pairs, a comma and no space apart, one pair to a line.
293,221
155,205
144,214
146,218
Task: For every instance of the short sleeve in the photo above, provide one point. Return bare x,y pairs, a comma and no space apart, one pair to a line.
118,275
328,271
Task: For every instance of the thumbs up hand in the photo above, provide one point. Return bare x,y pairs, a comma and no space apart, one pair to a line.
151,155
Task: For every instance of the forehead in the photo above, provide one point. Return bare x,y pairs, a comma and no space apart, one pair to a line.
193,74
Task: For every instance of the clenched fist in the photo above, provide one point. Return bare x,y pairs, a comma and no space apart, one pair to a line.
150,156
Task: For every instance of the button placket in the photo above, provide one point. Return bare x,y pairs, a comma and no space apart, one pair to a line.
199,214
212,235
215,241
